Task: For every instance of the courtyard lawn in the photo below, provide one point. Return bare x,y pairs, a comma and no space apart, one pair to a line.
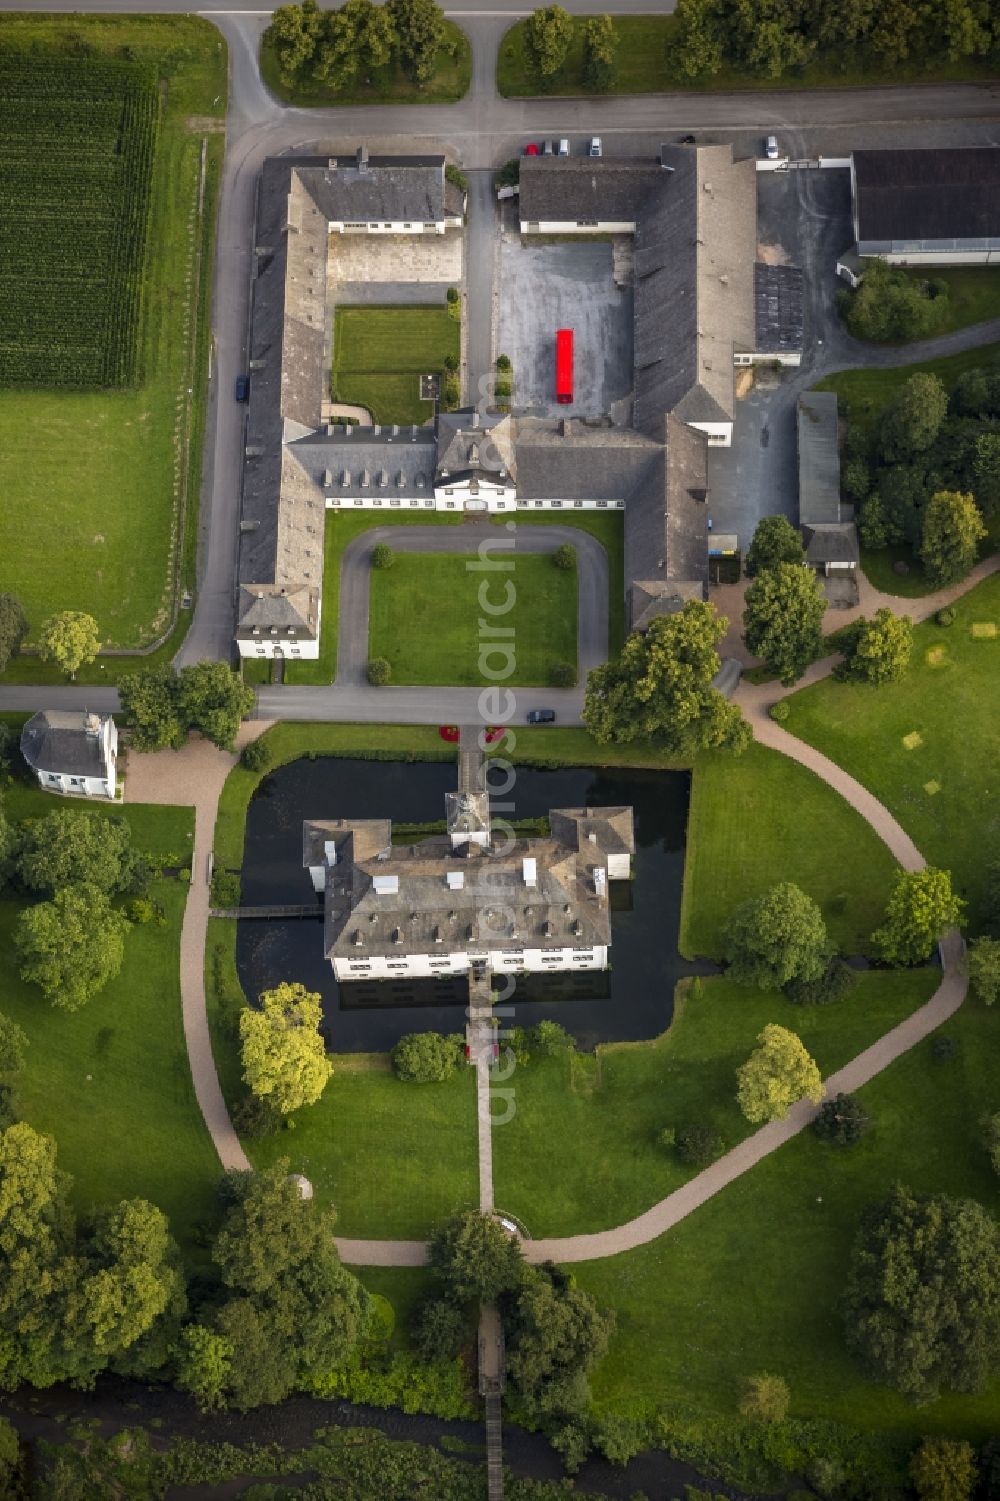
760,818
644,66
379,354
389,85
609,529
424,619
942,787
100,465
111,1081
751,1280
341,528
602,1113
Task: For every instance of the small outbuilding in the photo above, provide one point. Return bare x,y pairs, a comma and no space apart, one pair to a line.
828,536
72,752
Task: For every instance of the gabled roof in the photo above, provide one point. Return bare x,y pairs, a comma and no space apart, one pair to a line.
819,459
566,459
666,532
833,543
467,445
777,292
939,193
359,189
584,190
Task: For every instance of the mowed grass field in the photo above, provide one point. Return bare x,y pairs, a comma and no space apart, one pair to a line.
941,786
606,1109
379,354
111,1081
760,818
424,619
752,1280
94,481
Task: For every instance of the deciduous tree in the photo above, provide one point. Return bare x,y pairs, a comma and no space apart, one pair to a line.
426,1057
70,639
922,1305
660,688
72,946
71,848
131,1277
778,1073
213,699
921,907
13,628
842,1120
912,420
293,34
986,473
701,37
983,963
475,1257
775,541
14,1044
151,701
438,1330
944,1469
284,1060
777,937
991,1139
876,650
557,1333
420,29
783,619
953,530
600,48
548,36
203,1363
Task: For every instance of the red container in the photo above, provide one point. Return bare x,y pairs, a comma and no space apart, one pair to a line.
564,366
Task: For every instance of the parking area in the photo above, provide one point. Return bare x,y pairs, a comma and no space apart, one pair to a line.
552,284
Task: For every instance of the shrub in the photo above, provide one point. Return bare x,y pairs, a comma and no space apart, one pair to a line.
450,393
841,1121
779,711
226,888
562,675
509,174
944,1049
140,910
184,875
503,362
765,1398
946,616
698,1145
565,556
426,1057
256,755
452,295
834,984
455,175
438,1329
382,556
572,1444
548,1039
451,362
254,1117
379,672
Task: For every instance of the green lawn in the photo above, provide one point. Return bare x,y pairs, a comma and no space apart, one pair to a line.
761,818
393,1158
379,354
751,1280
424,618
644,66
973,293
111,1082
943,791
389,85
609,529
605,1110
341,528
101,465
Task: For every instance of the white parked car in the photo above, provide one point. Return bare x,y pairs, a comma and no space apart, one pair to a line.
771,148
595,147
564,147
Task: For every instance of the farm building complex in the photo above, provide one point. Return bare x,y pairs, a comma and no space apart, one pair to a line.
701,306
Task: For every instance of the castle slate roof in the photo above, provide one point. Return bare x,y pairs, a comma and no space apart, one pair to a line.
666,538
57,740
777,296
356,188
581,190
938,193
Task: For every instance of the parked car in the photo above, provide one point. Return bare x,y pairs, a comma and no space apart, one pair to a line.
531,149
549,148
771,148
541,716
595,147
564,147
686,140
242,388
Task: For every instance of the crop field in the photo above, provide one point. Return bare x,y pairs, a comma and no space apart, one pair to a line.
77,139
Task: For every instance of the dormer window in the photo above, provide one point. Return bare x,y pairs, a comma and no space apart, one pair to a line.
291,630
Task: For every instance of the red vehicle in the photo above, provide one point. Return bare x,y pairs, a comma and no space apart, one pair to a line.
564,366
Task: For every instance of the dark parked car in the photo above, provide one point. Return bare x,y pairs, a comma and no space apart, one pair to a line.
243,388
687,140
541,716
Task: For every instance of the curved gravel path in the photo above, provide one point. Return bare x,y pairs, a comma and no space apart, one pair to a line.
355,582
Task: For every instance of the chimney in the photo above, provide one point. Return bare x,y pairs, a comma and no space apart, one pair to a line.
362,158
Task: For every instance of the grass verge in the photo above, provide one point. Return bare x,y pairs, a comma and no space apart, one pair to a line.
942,788
607,1109
424,619
645,66
760,818
390,85
751,1281
101,465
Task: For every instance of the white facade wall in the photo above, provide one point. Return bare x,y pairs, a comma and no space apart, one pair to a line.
393,227
619,866
719,434
505,500
426,966
73,786
571,227
941,257
792,359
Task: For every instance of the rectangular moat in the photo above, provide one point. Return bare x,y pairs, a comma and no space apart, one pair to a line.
633,999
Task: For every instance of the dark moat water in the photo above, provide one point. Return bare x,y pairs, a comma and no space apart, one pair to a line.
632,1000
